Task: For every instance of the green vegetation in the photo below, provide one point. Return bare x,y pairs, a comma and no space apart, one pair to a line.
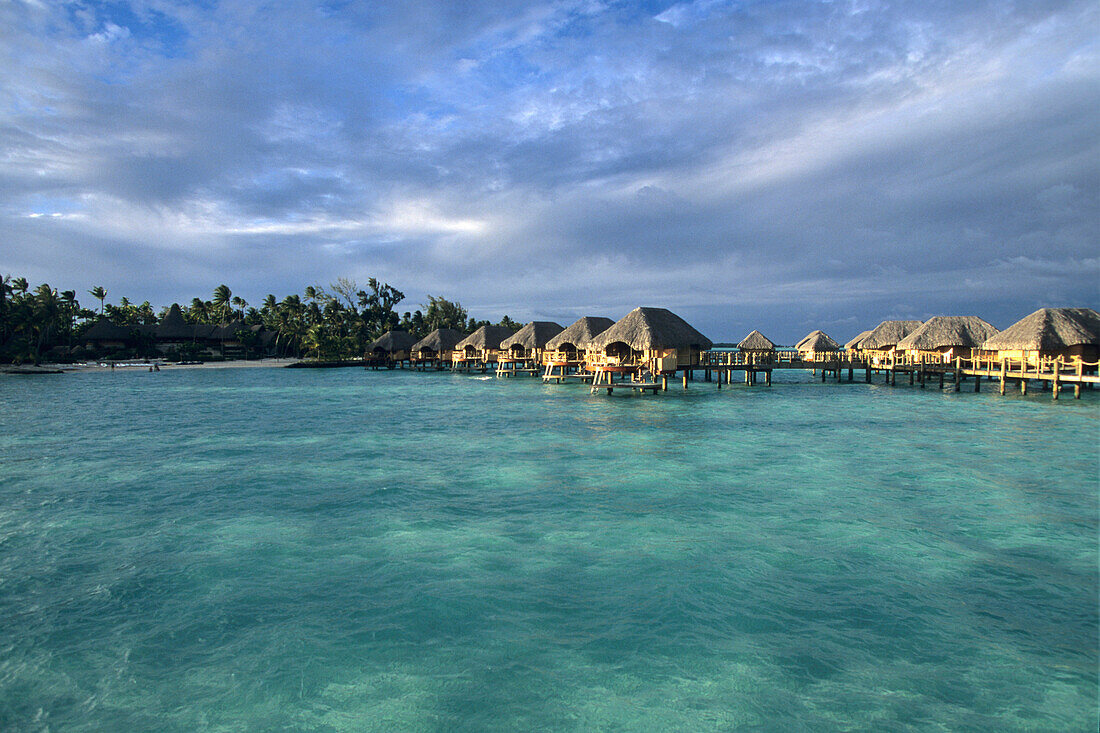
336,322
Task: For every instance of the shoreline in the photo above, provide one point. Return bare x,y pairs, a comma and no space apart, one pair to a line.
139,366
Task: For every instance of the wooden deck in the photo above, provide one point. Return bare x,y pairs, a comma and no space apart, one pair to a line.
1052,374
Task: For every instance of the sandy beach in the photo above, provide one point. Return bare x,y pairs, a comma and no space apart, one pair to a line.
140,366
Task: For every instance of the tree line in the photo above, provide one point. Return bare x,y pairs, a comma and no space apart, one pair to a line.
334,322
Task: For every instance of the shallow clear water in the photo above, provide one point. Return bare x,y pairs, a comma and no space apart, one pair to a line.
266,549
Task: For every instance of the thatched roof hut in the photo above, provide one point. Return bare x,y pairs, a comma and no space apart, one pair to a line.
857,342
948,332
817,341
228,331
886,335
392,342
580,333
756,341
172,327
105,330
647,329
1049,331
439,340
532,336
486,338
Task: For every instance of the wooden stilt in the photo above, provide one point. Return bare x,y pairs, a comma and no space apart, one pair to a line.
1003,367
978,383
1023,386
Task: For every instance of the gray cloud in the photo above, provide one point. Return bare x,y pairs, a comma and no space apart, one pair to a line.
776,165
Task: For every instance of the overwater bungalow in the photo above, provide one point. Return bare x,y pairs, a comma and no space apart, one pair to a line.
480,348
1071,334
853,346
651,338
570,344
817,346
565,353
526,345
756,347
392,347
943,338
436,349
882,342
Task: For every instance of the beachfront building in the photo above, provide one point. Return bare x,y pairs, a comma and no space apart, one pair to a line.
1069,334
881,344
105,335
435,349
817,346
480,348
173,332
649,338
940,340
392,347
526,345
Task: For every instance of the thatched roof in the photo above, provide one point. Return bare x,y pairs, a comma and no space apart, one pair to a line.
532,336
486,337
205,330
104,330
948,331
652,328
817,341
857,341
392,342
441,339
227,331
581,333
756,341
172,326
887,334
1049,329
266,335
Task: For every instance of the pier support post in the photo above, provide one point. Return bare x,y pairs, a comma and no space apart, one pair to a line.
1002,376
941,380
1057,374
978,383
768,378
685,379
1023,386
849,372
664,382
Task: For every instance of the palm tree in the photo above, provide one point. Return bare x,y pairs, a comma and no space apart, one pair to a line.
241,304
223,298
100,293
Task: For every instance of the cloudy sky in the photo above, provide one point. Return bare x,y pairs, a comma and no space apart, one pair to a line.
782,165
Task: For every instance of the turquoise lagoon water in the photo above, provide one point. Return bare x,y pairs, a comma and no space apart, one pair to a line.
329,550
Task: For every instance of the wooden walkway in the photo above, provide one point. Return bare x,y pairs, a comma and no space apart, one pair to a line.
1053,374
